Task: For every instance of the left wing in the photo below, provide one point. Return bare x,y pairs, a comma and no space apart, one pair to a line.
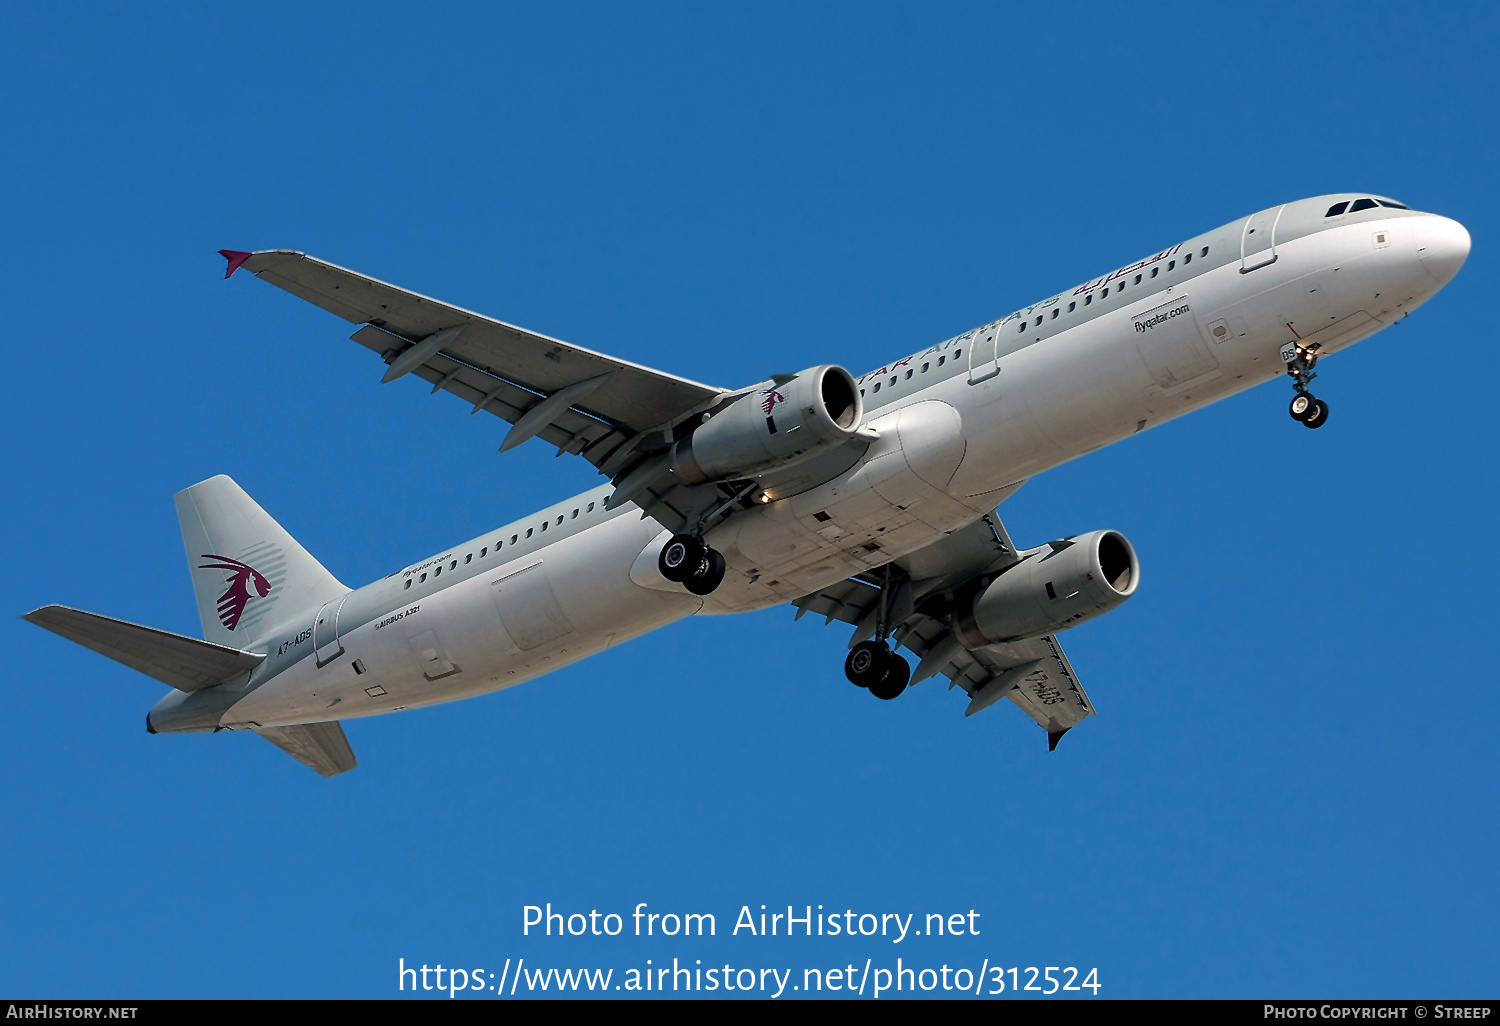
1034,674
618,415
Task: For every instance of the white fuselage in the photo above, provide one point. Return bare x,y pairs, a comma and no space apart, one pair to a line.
956,435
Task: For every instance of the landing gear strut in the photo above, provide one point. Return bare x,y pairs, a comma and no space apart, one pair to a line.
687,561
871,664
1305,407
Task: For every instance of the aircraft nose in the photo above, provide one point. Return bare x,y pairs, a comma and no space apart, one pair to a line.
1443,245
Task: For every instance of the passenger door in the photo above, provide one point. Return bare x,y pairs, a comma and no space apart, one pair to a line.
1258,239
326,643
982,362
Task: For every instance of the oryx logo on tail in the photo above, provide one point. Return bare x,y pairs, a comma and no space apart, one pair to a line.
234,600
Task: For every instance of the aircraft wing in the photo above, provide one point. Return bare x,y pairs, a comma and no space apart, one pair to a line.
1034,674
616,414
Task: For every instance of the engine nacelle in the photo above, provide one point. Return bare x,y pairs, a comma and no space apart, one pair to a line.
1057,586
772,427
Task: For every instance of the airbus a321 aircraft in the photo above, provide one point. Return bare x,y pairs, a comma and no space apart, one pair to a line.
868,500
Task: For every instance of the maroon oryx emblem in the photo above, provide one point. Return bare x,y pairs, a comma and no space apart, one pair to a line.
772,398
234,600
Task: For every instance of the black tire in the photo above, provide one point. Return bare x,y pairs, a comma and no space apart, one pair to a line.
710,574
680,557
1302,406
894,682
867,663
1319,416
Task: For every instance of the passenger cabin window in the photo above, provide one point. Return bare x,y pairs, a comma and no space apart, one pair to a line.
530,531
424,578
1138,279
1171,264
1022,327
1038,320
469,558
485,551
1055,312
454,565
1337,209
1187,258
575,514
925,366
1088,299
908,374
1204,253
591,508
408,583
877,386
544,525
1363,204
1072,307
1154,270
957,353
437,571
942,360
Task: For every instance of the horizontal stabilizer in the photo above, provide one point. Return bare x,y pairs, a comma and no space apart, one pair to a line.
320,746
186,664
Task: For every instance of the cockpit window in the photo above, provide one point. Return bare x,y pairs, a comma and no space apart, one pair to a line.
1363,204
1393,203
1337,209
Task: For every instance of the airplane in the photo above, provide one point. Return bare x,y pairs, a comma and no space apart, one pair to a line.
869,500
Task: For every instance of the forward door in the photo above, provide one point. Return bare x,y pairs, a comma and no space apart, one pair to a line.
1258,239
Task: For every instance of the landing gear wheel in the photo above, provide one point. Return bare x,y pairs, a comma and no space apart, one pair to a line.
708,575
1318,417
894,682
1303,406
680,557
867,663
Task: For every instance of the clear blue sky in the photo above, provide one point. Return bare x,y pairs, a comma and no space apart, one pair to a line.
1291,785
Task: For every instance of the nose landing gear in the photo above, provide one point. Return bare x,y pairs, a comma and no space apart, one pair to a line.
1305,407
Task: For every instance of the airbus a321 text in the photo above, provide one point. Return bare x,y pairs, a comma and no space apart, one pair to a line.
869,500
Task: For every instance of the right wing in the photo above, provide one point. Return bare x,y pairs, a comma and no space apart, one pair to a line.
617,415
1034,674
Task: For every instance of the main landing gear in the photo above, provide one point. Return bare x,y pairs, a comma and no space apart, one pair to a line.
687,561
1306,407
872,664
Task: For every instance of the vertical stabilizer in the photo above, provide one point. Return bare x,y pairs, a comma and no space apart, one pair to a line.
248,574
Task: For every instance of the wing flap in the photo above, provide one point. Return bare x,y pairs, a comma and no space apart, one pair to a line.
319,746
186,664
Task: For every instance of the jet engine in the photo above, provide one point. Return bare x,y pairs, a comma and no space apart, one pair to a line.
772,427
1054,587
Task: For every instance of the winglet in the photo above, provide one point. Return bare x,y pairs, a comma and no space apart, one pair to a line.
1054,737
235,258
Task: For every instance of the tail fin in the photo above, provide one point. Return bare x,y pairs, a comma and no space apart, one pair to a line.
248,573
